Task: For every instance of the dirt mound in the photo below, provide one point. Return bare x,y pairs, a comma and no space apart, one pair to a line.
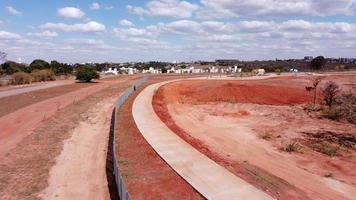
236,92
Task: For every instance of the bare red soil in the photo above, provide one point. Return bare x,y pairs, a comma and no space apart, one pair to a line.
286,91
241,92
145,174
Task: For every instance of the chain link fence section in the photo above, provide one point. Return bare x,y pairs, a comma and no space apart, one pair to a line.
122,191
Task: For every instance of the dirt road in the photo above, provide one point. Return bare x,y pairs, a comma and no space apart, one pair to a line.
17,125
6,92
70,178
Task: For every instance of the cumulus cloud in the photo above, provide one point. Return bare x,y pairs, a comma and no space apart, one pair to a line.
44,34
125,22
90,27
4,35
13,11
165,8
70,12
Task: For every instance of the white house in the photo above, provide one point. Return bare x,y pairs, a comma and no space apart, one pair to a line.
260,72
111,71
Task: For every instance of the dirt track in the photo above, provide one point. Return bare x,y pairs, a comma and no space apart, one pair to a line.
6,92
207,116
79,171
24,169
17,125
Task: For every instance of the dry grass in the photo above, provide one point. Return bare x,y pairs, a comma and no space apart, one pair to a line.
327,149
265,136
292,147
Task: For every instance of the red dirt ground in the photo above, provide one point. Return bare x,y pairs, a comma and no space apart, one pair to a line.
13,103
145,174
24,171
276,91
16,125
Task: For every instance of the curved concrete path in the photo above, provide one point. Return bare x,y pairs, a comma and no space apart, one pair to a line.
207,177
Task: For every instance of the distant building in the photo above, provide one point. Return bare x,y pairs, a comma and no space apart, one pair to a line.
111,71
347,60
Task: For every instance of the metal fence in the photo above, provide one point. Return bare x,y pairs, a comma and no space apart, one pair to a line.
123,194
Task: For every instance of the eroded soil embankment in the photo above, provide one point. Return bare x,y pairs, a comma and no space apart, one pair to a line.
204,114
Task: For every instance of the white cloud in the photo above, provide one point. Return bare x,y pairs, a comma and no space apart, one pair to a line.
81,41
132,32
284,8
183,27
95,6
125,22
44,34
13,11
70,12
165,8
98,6
4,35
90,27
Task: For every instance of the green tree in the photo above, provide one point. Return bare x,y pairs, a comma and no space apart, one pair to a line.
39,64
11,67
86,73
61,68
317,63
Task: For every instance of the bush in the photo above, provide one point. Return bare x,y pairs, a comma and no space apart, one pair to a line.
330,93
345,109
43,75
292,147
332,113
20,78
86,74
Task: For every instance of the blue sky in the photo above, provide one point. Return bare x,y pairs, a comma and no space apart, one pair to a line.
175,30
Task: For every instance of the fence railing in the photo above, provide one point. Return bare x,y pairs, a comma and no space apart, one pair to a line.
122,191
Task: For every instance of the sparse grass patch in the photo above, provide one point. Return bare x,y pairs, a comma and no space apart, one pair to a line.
309,107
292,147
329,175
327,149
265,136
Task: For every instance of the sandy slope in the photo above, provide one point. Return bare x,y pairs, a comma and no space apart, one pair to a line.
79,172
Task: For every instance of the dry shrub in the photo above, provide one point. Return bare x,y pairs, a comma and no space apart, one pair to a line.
327,149
43,75
266,136
344,110
292,147
20,78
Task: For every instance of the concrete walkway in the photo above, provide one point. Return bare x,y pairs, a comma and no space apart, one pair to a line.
207,177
